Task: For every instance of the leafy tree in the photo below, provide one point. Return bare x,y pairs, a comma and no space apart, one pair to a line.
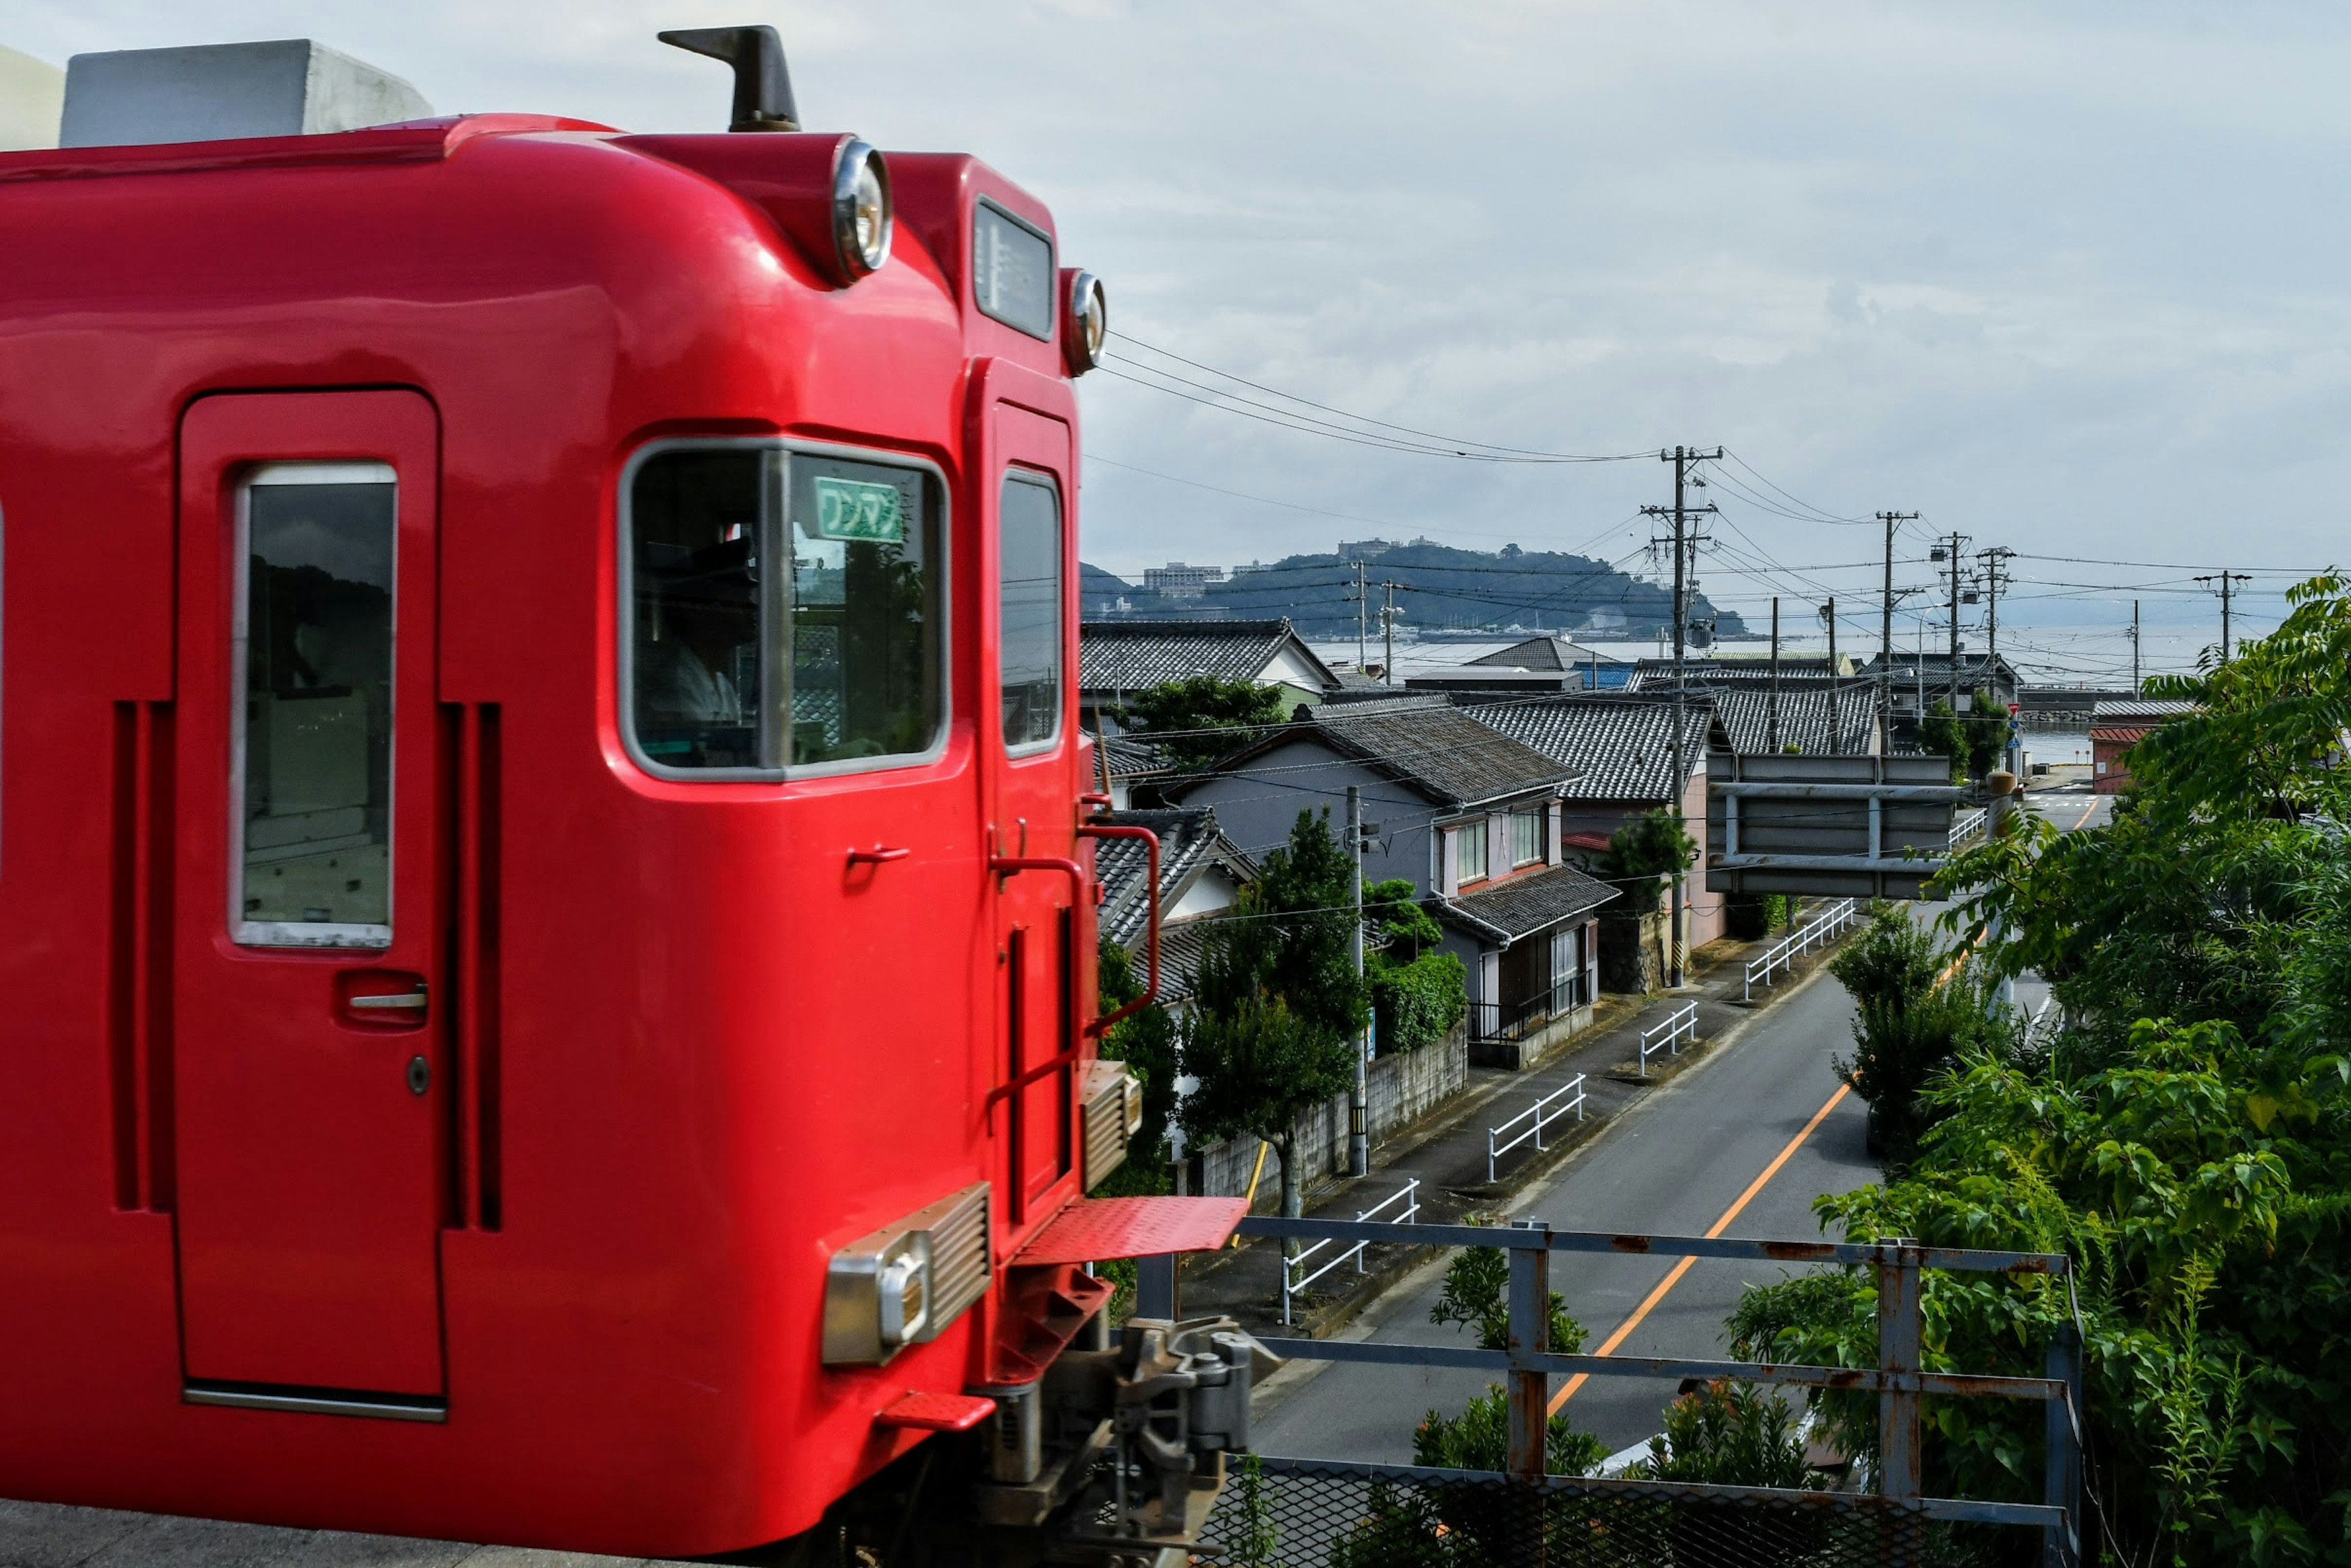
1973,740
1147,1043
1915,1010
1479,1440
1417,991
2186,1141
1641,853
1278,1006
1200,718
1476,1295
1729,1434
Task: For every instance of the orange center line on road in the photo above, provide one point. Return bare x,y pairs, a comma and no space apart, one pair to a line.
1624,1330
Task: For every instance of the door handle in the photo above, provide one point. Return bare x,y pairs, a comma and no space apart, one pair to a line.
367,997
415,998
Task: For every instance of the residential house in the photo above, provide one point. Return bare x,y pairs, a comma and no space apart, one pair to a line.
1201,875
1922,680
1652,676
1469,817
2115,727
1118,659
1818,718
1621,753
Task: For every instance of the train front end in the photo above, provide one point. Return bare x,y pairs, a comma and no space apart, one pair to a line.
544,858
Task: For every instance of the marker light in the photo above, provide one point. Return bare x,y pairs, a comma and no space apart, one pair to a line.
862,218
1086,324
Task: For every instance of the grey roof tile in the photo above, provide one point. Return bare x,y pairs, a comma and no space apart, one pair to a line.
1123,658
1521,905
1805,717
1432,745
1621,747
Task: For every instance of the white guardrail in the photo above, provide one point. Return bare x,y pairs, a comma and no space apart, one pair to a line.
1966,825
1816,932
1678,1025
1552,1107
1293,1287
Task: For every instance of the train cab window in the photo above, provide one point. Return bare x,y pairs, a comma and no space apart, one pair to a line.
312,738
785,611
1029,596
698,667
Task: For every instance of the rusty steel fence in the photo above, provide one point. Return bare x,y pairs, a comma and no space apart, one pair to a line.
1370,1516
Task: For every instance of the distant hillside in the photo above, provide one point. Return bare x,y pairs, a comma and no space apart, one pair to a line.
1440,587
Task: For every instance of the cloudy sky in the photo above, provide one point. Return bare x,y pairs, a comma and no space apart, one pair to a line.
2067,279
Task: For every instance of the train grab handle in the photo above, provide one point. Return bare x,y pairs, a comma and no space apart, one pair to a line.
1103,1024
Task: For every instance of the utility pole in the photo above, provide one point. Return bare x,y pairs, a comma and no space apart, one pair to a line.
2225,579
1995,561
1772,709
1359,1137
2135,675
1387,626
1828,613
1363,614
1893,521
1681,458
1951,546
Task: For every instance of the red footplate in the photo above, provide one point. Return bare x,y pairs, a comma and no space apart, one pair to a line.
938,1412
1093,1228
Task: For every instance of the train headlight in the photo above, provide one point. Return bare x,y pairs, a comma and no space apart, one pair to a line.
862,218
1085,323
907,1282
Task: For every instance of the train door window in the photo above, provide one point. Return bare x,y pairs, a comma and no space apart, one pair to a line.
867,606
311,743
1028,599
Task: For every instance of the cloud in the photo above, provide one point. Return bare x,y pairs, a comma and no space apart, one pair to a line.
2064,278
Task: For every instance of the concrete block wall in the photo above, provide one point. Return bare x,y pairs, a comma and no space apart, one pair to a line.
1404,1088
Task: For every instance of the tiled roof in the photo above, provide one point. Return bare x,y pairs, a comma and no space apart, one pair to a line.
1189,837
1657,674
1123,658
1938,666
1423,742
1521,905
2149,709
1132,757
1804,714
1621,747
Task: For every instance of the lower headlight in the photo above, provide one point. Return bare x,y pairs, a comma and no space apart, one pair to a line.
862,218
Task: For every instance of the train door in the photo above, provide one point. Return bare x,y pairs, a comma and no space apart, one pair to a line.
310,1089
1040,926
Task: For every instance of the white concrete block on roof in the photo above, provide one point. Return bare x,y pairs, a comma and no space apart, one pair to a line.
214,92
32,101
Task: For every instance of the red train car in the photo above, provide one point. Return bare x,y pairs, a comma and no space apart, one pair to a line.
544,889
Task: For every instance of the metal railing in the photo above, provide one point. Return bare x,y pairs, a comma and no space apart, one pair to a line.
1492,1022
1668,1035
1544,1111
1816,932
1966,825
1900,1380
1293,1288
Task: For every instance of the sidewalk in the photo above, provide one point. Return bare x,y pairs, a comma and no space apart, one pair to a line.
1447,1153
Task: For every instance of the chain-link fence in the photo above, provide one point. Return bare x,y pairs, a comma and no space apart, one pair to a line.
1312,1513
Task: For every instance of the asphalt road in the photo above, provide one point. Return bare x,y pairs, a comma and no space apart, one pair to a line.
1676,1164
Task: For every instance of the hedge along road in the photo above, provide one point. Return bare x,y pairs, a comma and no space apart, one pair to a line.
1763,1121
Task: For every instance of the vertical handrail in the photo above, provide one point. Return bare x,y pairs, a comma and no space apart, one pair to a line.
1104,1025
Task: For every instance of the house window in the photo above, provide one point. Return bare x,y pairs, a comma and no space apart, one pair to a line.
1469,853
1527,837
